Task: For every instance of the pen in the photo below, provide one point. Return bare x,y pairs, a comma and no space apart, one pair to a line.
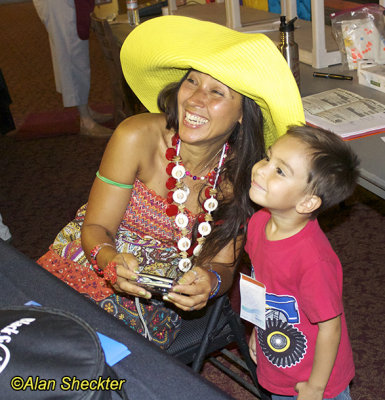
332,76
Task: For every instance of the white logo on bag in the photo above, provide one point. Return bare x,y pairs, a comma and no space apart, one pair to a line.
5,337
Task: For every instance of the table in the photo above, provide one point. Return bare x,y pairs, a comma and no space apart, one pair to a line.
150,373
370,149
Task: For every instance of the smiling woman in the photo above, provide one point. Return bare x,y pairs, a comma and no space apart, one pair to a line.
171,194
207,104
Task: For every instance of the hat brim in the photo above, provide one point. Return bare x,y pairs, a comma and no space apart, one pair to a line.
161,50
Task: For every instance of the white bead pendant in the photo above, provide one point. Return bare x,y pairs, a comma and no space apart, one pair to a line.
181,221
179,196
204,228
184,244
197,250
178,172
184,264
211,204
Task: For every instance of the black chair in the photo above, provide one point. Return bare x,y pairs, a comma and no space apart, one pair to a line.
211,330
6,120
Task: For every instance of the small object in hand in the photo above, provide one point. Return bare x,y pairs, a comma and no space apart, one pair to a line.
155,283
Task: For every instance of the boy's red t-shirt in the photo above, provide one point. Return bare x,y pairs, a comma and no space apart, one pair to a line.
303,279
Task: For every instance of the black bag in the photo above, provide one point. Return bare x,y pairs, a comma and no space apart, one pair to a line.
52,354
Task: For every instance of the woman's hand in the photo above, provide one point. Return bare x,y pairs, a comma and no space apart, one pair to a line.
193,289
126,271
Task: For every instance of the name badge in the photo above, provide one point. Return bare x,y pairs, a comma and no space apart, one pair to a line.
253,301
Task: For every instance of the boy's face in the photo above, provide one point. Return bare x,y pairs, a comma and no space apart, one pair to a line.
279,181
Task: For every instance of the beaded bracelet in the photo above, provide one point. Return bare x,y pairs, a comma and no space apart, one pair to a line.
95,251
108,273
215,291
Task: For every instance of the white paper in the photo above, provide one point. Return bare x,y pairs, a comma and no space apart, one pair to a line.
344,113
253,301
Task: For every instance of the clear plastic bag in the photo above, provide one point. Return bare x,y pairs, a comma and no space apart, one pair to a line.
360,34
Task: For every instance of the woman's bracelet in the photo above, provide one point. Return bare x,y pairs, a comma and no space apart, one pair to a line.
215,291
108,273
95,251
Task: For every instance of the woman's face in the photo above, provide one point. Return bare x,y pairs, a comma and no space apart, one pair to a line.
208,110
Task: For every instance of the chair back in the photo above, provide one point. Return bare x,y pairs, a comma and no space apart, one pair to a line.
210,330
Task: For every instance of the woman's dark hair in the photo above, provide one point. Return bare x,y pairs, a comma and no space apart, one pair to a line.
247,146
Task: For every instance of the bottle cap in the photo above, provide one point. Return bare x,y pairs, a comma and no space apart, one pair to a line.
286,27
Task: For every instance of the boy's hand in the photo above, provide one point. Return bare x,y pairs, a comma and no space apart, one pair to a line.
328,339
308,392
253,346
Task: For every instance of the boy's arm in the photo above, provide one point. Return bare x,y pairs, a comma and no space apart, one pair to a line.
328,340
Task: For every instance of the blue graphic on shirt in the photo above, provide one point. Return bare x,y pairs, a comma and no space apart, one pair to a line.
282,304
281,342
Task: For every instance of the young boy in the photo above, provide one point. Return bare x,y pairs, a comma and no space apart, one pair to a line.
304,349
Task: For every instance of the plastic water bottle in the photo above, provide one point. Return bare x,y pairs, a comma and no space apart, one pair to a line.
132,12
288,47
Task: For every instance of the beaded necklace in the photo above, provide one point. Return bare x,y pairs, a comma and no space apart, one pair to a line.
177,196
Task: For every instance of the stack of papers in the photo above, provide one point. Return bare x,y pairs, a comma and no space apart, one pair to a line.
344,113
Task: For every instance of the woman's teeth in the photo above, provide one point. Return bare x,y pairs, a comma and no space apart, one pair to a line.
195,119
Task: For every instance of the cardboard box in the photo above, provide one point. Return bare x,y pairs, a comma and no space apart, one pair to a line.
372,75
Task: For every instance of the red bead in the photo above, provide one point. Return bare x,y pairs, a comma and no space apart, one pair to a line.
211,180
169,167
207,192
170,153
190,250
170,200
174,139
201,217
171,182
172,210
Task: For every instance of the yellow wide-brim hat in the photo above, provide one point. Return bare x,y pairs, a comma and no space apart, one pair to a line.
161,50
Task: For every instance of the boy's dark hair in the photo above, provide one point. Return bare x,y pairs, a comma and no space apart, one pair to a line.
333,167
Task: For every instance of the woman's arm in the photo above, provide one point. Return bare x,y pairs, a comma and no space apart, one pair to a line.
328,340
123,158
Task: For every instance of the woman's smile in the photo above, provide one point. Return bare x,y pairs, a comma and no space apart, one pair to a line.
194,120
